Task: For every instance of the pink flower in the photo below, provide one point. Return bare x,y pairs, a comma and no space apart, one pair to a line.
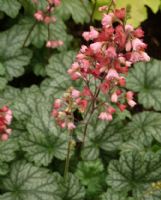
111,110
54,43
129,28
107,20
39,15
8,117
138,45
144,56
122,81
103,8
47,20
75,93
4,137
57,103
122,107
111,52
92,34
74,71
105,116
55,113
114,97
128,45
120,13
86,91
83,49
131,103
96,47
112,73
104,87
139,56
5,120
82,104
71,126
139,33
129,97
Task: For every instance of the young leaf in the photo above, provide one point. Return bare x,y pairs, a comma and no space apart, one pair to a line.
43,141
144,127
144,78
71,188
10,7
26,181
75,8
91,175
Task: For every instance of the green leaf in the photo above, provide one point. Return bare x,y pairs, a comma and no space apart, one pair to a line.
25,104
71,188
7,150
132,145
2,70
57,70
12,56
10,7
3,168
91,175
135,171
75,8
144,78
26,181
3,83
104,136
144,127
8,96
43,141
113,195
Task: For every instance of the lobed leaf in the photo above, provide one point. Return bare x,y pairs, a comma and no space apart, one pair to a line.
144,78
43,140
26,181
135,171
144,127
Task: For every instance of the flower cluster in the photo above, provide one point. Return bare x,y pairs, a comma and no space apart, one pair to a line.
5,120
46,17
103,66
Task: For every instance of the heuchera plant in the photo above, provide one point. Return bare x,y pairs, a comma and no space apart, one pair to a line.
112,144
102,65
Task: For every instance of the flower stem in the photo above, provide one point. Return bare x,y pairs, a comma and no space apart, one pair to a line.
66,169
93,10
29,33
